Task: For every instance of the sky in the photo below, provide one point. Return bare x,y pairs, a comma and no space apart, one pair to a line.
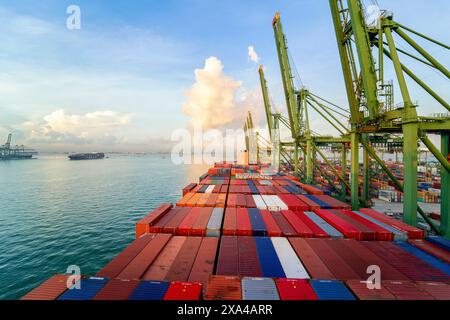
138,70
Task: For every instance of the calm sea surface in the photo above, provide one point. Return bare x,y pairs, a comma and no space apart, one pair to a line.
55,212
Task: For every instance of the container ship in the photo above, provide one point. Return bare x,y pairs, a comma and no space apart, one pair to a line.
264,238
87,156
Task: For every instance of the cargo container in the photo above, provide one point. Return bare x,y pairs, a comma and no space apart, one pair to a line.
332,202
227,261
200,224
381,234
292,266
413,232
271,226
172,225
317,231
115,266
348,230
223,288
311,204
293,203
142,226
260,204
188,188
249,264
438,290
137,267
185,226
150,290
398,235
243,225
331,290
271,204
183,291
299,226
312,262
117,289
259,289
159,225
89,287
257,223
184,200
295,289
182,265
160,267
203,266
330,230
268,258
215,223
230,222
276,199
431,249
51,289
365,232
406,290
284,225
363,292
440,242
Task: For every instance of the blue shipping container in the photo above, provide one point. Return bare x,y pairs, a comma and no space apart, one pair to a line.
258,226
440,242
150,290
88,289
270,264
331,290
322,204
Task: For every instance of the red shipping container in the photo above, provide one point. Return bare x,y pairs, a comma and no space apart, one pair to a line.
280,190
160,224
184,200
341,225
439,290
212,199
199,226
230,222
312,262
370,258
337,265
316,230
217,188
185,227
183,291
220,203
137,267
271,226
248,257
203,200
224,189
115,266
298,225
249,202
430,248
117,289
51,289
172,225
293,202
228,261
203,266
243,224
223,288
182,265
310,203
361,291
413,232
240,201
406,290
365,232
295,289
188,188
160,267
380,233
142,226
334,202
285,226
231,201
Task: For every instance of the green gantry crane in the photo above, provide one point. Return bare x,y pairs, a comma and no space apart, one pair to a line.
371,99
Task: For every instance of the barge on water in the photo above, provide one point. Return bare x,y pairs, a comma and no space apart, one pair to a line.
87,156
238,234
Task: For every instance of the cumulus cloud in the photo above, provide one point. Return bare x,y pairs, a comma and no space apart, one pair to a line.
99,127
252,54
216,100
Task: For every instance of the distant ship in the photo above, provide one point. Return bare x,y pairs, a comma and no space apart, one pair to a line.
7,152
87,156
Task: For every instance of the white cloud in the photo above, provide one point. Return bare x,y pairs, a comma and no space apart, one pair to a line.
253,55
100,127
216,100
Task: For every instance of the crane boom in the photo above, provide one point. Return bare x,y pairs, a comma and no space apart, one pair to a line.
265,93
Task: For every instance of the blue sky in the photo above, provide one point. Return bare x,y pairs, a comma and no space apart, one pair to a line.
121,80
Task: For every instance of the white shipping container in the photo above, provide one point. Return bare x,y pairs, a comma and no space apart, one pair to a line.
210,189
292,266
271,205
280,203
260,204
